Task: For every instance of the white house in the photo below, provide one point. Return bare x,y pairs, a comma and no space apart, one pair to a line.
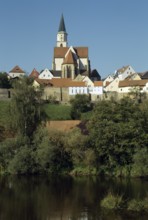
124,72
107,80
16,72
45,74
128,86
85,79
112,86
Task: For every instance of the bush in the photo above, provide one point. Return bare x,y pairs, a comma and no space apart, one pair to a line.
112,202
140,166
23,162
138,205
80,104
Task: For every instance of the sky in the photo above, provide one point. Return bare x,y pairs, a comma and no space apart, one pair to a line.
115,31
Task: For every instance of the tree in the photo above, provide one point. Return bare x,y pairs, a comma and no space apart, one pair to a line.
25,107
4,81
140,165
115,132
51,153
80,104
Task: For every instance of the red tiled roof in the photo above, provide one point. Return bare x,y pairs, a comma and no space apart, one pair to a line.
16,69
61,82
59,52
69,59
107,83
130,83
98,83
34,73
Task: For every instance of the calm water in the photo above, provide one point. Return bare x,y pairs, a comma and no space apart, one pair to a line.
42,198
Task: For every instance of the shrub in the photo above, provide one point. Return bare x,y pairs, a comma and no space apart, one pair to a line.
140,166
23,162
112,202
138,205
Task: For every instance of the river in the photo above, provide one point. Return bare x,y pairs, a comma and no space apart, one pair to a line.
65,198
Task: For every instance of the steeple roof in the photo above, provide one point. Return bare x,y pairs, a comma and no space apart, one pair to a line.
62,25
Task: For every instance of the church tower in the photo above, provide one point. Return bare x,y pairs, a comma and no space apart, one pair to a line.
62,35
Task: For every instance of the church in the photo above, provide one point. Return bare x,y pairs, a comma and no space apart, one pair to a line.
69,62
70,73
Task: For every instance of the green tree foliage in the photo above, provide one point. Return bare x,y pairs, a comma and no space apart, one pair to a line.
80,104
8,149
25,106
23,162
83,157
4,81
116,131
140,165
51,153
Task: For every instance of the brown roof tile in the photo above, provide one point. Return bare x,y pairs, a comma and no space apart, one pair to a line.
69,59
130,83
98,83
61,82
34,73
59,52
16,69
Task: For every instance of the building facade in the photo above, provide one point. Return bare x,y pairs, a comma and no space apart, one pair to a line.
69,61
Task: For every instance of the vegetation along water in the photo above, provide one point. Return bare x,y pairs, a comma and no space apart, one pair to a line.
112,141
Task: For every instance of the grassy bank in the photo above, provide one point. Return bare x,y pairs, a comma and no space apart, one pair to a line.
57,111
53,112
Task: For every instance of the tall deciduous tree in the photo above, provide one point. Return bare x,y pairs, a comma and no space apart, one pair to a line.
25,106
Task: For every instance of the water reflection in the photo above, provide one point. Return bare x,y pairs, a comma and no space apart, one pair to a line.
59,198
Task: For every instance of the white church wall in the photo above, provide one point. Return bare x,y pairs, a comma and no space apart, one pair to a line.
58,63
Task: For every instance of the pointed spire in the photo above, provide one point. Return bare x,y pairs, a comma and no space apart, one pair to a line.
62,25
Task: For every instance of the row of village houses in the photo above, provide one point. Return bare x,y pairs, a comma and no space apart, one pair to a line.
123,81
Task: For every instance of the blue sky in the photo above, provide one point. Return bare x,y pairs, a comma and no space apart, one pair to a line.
115,31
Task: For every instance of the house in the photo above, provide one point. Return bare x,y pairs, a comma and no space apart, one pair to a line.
95,76
112,86
85,79
124,72
134,76
144,75
16,72
128,86
45,74
34,74
108,79
63,89
120,74
69,61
